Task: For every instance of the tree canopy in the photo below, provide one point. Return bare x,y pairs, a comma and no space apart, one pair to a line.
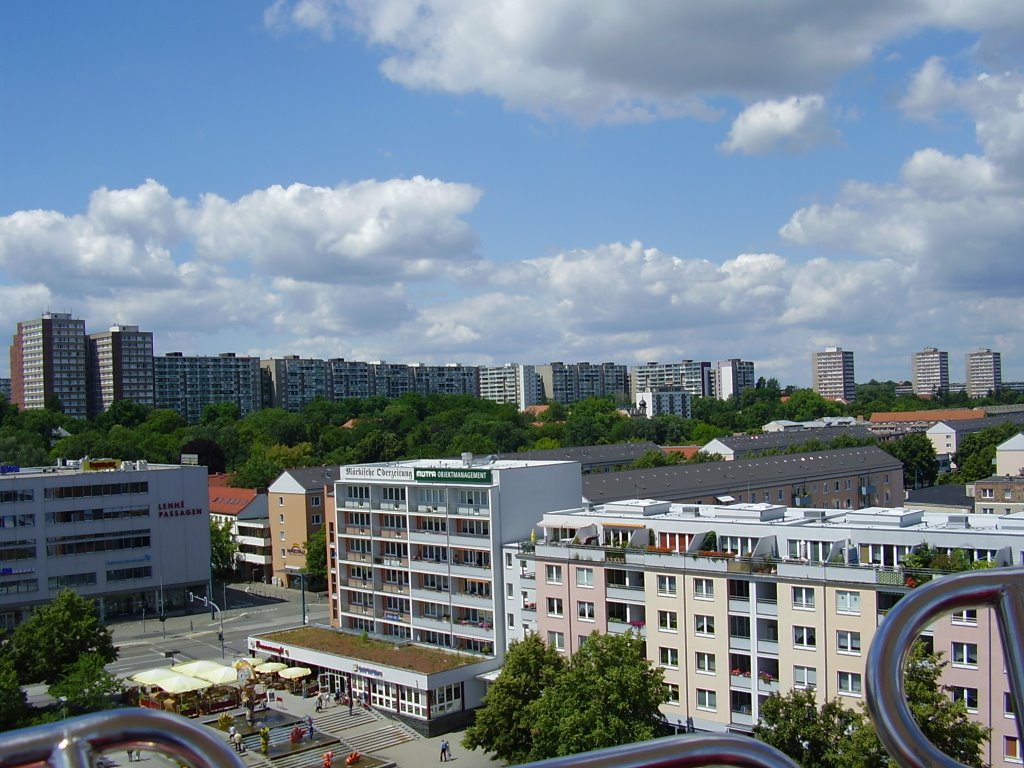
832,736
222,549
316,556
46,647
87,686
608,693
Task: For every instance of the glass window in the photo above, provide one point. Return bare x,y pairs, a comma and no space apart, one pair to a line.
707,700
585,611
669,657
554,606
803,598
705,663
969,696
850,683
704,589
848,642
704,625
847,601
584,577
964,654
668,620
966,617
666,585
557,640
803,637
805,677
672,693
1011,749
553,574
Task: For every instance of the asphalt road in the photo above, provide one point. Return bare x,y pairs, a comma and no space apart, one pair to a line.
144,645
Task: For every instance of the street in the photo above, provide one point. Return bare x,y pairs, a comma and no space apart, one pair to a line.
143,645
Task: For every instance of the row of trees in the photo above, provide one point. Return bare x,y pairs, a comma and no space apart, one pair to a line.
258,447
64,645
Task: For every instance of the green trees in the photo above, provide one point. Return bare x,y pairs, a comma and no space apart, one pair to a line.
832,736
812,736
977,450
13,702
222,550
915,451
87,686
46,647
316,556
505,725
540,706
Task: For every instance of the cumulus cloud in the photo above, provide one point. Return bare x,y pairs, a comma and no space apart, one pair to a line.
620,61
954,221
796,124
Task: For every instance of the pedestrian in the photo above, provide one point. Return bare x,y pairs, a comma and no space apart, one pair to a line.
444,751
447,751
237,739
319,704
131,758
309,726
350,702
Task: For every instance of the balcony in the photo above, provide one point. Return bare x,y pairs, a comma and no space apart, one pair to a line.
395,589
767,683
767,607
530,607
478,630
356,530
393,533
359,610
473,511
435,623
390,506
624,593
741,680
472,600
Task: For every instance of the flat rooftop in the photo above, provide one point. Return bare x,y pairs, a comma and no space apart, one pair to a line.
416,658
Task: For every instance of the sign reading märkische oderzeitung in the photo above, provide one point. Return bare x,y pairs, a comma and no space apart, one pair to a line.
453,475
403,474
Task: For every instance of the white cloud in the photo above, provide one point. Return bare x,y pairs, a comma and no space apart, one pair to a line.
797,124
621,61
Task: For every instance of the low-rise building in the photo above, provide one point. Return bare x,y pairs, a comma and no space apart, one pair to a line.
735,447
298,506
245,512
132,536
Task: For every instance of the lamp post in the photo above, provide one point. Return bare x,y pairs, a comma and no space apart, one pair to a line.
63,707
302,586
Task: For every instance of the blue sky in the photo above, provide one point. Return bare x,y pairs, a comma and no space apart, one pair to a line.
521,181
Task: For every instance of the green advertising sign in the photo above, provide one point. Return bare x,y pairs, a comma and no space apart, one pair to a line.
453,475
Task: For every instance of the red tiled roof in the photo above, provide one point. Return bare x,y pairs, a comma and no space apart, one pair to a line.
229,501
688,451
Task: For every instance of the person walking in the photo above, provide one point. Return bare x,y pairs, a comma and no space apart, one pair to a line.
309,726
237,739
444,751
350,704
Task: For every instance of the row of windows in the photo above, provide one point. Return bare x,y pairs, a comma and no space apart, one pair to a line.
22,549
15,586
81,545
17,521
71,580
88,515
10,497
99,489
130,574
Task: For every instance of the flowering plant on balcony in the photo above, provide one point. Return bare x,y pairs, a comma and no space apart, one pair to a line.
766,677
741,673
638,624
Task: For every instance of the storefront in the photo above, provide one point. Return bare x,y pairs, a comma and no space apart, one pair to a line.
430,702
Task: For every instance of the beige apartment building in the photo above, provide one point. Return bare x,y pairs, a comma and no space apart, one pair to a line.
738,602
298,500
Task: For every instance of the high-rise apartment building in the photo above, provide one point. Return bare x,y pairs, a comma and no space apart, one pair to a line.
5,388
390,380
570,382
930,371
732,377
448,379
348,378
120,368
832,374
694,377
511,383
292,382
984,372
187,384
49,361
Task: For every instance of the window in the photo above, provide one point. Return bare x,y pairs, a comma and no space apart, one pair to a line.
704,625
283,554
316,501
964,655
668,620
557,640
510,590
672,693
1011,749
850,683
707,700
669,657
847,602
739,626
508,559
554,606
584,577
553,574
805,677
803,598
705,663
316,519
848,642
803,637
1007,704
704,589
967,617
969,696
666,585
511,617
281,535
585,611
280,501
988,493
280,518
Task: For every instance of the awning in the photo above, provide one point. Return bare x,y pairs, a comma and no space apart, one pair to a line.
725,499
623,525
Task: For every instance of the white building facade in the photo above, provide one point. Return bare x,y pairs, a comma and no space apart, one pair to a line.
132,536
930,368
